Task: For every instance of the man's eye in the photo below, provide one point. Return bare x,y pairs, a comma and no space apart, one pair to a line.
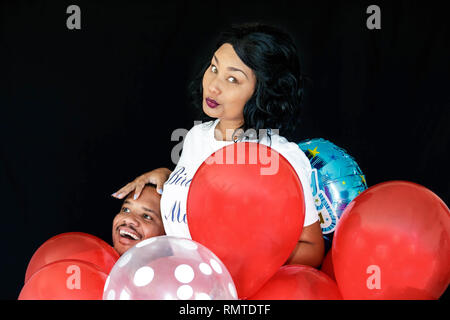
147,217
126,210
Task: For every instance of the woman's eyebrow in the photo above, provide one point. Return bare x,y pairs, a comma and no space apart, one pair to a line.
230,68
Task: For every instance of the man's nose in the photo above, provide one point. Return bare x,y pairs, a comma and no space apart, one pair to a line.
131,219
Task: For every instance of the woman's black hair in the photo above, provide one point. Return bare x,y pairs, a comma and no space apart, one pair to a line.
272,55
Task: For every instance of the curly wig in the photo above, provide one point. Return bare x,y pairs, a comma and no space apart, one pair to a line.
272,55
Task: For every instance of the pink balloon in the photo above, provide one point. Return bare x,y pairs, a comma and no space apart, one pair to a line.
169,268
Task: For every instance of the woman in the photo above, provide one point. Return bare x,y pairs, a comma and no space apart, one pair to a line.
252,81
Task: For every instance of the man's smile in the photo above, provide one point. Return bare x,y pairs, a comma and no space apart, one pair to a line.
128,235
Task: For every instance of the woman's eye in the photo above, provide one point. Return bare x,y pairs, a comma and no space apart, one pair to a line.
230,79
126,210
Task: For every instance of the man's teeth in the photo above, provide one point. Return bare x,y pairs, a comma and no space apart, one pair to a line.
126,233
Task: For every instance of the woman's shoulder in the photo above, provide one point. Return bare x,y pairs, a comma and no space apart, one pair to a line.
289,150
200,127
199,130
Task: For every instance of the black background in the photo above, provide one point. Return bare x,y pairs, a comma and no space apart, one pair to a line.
83,112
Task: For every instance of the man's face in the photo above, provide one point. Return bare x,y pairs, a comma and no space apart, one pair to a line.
137,220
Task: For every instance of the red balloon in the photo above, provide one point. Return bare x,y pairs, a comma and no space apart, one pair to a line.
65,280
249,215
393,242
298,282
73,245
327,265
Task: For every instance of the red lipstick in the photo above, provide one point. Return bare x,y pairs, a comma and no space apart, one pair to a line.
211,103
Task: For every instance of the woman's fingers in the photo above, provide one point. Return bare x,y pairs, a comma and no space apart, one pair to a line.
157,177
159,188
138,190
157,180
123,192
120,194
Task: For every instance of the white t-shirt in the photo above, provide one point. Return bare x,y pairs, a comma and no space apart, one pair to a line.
198,145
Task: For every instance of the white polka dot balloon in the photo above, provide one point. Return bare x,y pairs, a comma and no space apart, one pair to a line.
171,268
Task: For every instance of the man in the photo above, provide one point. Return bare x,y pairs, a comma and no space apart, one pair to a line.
137,220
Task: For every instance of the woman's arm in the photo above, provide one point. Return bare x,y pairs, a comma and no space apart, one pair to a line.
157,177
310,248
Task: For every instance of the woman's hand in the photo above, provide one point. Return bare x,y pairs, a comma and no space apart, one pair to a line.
157,177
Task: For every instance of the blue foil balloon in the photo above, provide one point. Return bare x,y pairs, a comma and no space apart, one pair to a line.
336,180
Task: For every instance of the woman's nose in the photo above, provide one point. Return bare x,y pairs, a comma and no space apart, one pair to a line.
214,87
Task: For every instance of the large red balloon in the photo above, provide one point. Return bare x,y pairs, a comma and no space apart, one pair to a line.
298,282
73,245
250,219
327,265
393,242
65,280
